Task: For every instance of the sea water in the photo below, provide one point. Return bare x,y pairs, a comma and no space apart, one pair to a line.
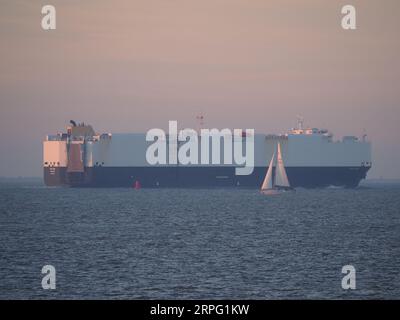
198,243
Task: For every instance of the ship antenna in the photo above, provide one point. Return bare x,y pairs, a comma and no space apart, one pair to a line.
200,122
300,122
364,136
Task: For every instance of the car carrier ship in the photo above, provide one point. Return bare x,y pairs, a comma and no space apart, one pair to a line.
80,157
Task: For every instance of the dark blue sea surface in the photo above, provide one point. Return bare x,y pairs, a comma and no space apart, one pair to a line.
198,244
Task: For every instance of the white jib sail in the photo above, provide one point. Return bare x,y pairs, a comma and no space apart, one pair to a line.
281,178
267,183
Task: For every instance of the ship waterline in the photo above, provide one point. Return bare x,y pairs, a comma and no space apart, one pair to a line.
189,177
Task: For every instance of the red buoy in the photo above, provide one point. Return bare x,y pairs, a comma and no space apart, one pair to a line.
137,185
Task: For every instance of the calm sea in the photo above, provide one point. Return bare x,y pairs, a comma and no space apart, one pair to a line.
198,244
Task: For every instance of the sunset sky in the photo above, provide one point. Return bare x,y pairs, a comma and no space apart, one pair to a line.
130,65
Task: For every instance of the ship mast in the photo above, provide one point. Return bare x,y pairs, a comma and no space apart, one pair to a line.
300,122
200,122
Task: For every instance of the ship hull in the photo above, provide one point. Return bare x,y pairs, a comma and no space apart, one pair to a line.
200,177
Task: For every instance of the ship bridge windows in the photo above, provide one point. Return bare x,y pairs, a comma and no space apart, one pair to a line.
349,139
105,136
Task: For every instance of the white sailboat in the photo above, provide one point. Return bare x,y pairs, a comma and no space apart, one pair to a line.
280,183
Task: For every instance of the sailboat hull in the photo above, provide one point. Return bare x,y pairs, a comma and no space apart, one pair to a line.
277,190
271,192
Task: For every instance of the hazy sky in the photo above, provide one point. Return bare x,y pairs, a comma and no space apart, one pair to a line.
132,65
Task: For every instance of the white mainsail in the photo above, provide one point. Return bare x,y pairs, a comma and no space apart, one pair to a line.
281,178
267,184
